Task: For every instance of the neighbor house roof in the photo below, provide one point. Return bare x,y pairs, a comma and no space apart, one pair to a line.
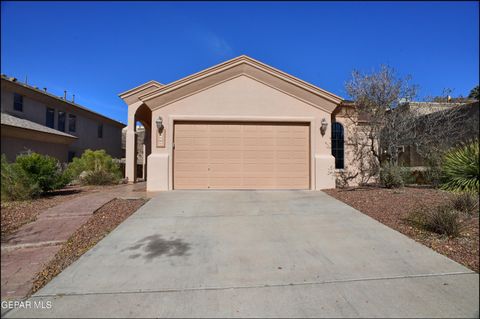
10,120
58,98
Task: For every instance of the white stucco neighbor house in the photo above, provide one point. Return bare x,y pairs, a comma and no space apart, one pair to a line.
238,125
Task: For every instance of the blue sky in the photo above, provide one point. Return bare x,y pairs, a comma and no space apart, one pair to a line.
99,49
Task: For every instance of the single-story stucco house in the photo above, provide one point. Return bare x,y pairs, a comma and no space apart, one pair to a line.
238,125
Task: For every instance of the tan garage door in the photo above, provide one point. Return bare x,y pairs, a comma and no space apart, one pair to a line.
239,155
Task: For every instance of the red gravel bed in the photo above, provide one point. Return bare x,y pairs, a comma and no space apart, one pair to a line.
392,206
17,213
102,222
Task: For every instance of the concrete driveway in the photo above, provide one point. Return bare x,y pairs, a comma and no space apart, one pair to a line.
257,254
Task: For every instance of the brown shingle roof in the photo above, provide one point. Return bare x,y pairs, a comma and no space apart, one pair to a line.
10,120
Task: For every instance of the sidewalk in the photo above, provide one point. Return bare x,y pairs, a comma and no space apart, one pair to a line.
24,253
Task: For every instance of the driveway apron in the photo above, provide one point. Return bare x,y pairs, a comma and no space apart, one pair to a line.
257,254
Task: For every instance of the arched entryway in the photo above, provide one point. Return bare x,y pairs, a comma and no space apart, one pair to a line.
138,142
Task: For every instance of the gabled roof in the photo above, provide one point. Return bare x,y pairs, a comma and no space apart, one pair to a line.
242,65
10,120
139,88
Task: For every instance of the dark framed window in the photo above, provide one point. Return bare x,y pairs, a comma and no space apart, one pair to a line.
18,102
338,145
72,123
62,116
100,130
71,155
50,117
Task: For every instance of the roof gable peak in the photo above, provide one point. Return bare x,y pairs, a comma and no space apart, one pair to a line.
229,64
151,83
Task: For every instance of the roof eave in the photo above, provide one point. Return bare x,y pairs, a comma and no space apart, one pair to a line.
237,61
66,136
143,86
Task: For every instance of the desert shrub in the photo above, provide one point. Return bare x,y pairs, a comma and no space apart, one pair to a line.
433,175
15,184
461,168
391,176
408,175
98,177
466,202
443,220
43,170
94,168
31,175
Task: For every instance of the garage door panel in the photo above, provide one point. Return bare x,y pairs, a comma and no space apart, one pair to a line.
185,155
241,155
192,168
224,170
191,182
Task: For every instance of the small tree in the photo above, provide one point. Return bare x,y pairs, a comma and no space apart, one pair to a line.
375,95
386,121
475,93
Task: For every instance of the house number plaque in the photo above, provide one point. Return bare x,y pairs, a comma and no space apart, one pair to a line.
161,138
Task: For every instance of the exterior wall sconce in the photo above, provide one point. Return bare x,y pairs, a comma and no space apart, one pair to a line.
323,126
159,123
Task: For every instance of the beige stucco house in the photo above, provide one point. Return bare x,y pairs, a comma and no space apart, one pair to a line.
238,125
34,119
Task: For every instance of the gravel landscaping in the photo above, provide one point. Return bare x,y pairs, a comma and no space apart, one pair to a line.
102,222
17,213
392,206
14,214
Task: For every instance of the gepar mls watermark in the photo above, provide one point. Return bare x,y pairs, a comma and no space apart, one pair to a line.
26,304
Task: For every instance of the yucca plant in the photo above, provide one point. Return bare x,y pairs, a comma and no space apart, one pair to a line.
460,168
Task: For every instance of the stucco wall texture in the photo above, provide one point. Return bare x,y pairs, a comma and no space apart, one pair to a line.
241,90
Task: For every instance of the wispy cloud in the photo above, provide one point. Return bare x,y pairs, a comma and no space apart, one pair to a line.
217,44
212,42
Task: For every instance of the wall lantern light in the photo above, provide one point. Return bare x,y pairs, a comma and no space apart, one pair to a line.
159,123
323,126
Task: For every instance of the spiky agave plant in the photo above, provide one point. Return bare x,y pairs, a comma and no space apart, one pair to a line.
460,168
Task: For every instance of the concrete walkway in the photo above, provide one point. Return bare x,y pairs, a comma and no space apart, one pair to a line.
25,252
257,254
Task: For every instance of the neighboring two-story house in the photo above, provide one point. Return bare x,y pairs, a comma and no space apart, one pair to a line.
34,119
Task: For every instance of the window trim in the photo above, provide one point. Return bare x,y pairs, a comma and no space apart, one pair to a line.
74,118
59,113
100,130
17,95
338,131
47,112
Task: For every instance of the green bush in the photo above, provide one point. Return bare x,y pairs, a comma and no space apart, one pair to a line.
408,175
43,170
31,175
15,183
391,176
94,168
443,220
466,203
461,168
98,177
